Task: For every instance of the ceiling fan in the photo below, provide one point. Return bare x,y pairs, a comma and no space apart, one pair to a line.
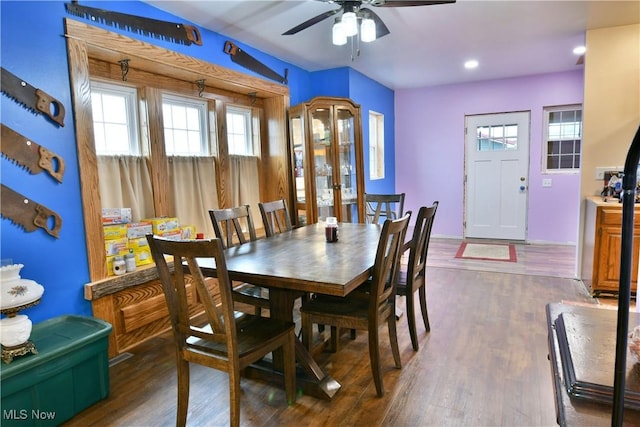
362,13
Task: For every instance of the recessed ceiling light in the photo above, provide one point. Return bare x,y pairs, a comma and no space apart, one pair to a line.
472,63
579,50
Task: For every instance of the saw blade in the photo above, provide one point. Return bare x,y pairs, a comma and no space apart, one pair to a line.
241,57
171,31
30,155
27,214
31,98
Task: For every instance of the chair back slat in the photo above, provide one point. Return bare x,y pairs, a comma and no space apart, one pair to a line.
232,224
386,263
276,217
385,206
417,261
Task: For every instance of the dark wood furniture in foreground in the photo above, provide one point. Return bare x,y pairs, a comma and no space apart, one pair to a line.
301,261
366,309
383,206
413,278
226,342
582,354
231,225
601,254
275,217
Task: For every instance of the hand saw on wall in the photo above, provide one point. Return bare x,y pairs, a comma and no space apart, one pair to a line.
171,31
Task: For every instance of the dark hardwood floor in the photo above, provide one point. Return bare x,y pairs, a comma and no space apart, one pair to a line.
484,363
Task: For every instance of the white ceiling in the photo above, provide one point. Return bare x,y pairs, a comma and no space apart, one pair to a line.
427,45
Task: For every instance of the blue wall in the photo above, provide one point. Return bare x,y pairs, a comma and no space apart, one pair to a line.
33,47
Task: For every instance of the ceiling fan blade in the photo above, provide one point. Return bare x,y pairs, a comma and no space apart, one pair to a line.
405,3
381,29
310,22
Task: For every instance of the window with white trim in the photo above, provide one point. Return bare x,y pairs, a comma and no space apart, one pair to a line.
376,145
185,126
562,138
115,119
239,131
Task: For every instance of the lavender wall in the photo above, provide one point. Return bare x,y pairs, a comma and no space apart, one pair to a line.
430,149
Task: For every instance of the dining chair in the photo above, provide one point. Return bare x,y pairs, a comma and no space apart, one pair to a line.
413,278
231,225
275,217
229,341
364,310
385,206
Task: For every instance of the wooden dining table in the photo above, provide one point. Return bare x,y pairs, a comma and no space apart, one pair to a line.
297,262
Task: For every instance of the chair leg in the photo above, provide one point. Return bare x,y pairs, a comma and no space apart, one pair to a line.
411,321
290,370
183,392
234,398
423,305
374,358
393,338
307,331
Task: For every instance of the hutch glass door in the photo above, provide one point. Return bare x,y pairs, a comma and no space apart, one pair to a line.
347,188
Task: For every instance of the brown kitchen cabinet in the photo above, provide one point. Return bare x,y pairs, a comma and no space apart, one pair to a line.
602,248
328,172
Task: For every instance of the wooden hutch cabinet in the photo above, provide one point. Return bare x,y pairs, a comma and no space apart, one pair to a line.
602,247
327,160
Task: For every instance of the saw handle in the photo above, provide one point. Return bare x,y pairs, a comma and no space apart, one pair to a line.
44,104
52,163
230,48
48,220
193,34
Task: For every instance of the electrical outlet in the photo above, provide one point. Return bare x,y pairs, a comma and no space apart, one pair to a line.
546,182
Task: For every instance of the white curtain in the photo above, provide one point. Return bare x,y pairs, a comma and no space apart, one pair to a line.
194,191
125,182
244,184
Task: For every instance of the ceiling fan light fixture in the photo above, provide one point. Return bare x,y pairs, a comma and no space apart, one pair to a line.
471,64
579,50
367,30
339,36
350,22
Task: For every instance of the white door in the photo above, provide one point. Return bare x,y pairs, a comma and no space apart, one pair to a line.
497,176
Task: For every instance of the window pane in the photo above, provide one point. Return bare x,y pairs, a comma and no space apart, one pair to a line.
512,130
497,138
563,133
114,119
566,161
376,146
185,126
239,135
114,108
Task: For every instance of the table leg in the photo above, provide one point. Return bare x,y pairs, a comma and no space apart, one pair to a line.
312,379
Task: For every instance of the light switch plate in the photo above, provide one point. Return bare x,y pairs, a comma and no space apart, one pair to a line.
546,182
